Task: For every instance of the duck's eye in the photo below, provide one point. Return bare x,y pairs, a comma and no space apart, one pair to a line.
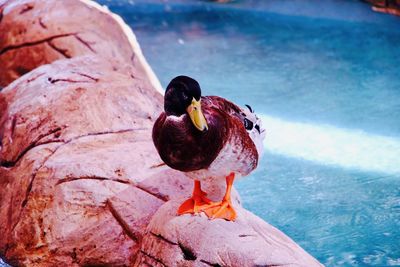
248,124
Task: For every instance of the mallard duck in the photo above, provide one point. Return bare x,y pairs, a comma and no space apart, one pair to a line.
207,137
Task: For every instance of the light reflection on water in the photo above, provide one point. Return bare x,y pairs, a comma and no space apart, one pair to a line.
330,145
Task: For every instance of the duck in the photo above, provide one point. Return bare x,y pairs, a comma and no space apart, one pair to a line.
207,137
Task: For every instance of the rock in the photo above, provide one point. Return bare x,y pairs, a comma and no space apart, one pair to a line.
35,33
65,126
385,3
386,6
73,98
81,183
187,240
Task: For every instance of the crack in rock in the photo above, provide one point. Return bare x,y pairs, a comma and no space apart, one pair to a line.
34,174
211,264
71,179
86,75
158,165
13,125
115,132
275,265
121,222
35,143
246,235
156,194
51,80
63,52
26,8
29,189
154,258
12,47
41,23
164,239
30,186
85,43
188,254
10,211
35,77
41,122
2,6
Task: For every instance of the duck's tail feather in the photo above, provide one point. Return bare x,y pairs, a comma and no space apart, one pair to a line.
254,127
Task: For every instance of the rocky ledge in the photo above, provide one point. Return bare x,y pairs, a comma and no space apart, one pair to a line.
386,6
80,181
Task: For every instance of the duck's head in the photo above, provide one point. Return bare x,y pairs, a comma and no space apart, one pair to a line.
183,95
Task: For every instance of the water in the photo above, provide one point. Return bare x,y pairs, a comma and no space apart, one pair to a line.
325,77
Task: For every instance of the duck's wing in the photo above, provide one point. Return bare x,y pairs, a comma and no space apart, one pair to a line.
243,142
251,122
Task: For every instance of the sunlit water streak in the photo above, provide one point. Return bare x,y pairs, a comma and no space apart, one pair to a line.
331,145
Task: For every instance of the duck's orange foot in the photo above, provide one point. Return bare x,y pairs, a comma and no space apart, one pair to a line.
197,203
222,210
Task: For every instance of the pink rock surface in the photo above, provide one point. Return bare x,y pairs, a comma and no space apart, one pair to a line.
80,181
70,152
35,32
187,240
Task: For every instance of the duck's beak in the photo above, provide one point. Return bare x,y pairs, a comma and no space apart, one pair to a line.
197,117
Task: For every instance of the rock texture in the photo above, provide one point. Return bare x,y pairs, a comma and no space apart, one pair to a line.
386,6
34,33
80,181
75,141
249,241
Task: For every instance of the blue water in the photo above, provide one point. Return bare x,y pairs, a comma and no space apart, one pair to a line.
326,80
